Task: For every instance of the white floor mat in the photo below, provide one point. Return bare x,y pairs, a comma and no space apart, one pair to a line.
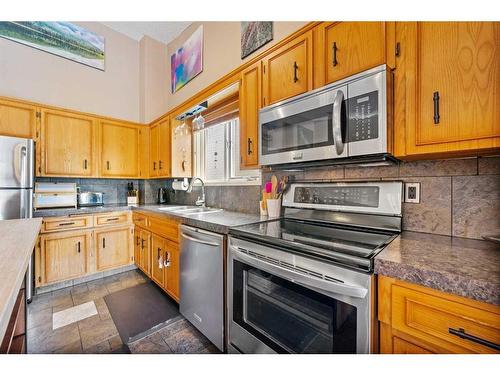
73,314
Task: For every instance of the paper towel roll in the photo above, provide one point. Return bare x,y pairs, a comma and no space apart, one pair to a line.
180,185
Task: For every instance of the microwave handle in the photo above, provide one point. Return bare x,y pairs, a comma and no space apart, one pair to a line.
337,122
328,287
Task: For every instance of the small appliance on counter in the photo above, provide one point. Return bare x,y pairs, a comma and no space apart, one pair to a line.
132,195
55,195
162,196
90,199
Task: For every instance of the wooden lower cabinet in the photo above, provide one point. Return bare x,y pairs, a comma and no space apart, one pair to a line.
419,320
64,256
157,251
113,247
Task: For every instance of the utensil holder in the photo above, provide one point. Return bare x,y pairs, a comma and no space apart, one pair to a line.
274,207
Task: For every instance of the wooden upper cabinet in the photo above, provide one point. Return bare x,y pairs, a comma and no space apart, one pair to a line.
164,148
64,255
288,71
67,144
119,149
346,48
113,247
17,119
447,83
153,150
250,101
144,152
181,150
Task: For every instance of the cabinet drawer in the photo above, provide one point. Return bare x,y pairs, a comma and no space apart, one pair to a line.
111,218
432,319
65,223
165,227
140,220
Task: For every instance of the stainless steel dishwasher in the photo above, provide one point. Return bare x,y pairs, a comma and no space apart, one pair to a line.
202,282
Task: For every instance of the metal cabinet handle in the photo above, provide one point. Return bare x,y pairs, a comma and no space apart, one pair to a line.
154,166
336,122
398,49
295,69
159,164
66,223
167,260
335,62
461,333
249,146
107,165
85,164
435,98
113,219
142,243
137,242
78,246
159,251
183,165
104,242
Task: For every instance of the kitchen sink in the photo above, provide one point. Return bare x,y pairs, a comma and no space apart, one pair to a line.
174,208
189,210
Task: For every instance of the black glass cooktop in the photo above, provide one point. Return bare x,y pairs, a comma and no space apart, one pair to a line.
337,243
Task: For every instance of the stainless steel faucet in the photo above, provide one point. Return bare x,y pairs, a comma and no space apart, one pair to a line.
201,200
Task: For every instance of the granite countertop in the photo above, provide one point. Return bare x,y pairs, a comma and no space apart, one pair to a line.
468,268
219,222
18,240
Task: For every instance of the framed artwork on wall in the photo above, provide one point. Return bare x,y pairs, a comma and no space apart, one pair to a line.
187,62
254,35
64,39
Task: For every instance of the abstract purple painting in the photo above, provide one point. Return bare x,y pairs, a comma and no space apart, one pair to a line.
187,62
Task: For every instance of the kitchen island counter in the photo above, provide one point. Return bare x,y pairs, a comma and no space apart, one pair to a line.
18,240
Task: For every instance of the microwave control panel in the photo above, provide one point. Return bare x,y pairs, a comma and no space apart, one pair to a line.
363,117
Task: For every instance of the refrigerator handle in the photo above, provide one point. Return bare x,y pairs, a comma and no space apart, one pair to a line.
20,153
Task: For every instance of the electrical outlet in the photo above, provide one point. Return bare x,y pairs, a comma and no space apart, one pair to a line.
412,192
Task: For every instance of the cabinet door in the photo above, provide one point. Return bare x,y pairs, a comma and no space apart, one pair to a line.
119,150
153,154
181,150
172,271
164,148
17,119
145,257
288,70
447,81
112,248
348,48
68,144
250,103
64,255
157,259
144,152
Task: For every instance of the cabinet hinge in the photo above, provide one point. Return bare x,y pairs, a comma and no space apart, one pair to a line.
264,69
398,49
38,114
39,279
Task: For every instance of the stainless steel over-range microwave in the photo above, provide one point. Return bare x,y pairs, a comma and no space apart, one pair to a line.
346,119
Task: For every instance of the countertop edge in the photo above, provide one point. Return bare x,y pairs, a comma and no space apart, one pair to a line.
9,306
478,290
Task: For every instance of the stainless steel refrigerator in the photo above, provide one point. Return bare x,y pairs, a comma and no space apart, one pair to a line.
17,157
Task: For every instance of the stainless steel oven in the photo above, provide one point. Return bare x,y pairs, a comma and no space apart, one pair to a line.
282,303
348,118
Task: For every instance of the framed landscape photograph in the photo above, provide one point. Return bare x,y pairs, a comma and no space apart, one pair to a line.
63,39
254,35
187,62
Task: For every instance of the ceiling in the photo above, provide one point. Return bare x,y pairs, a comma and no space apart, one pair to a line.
162,31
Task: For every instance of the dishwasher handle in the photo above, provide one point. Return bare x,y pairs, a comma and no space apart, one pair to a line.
200,241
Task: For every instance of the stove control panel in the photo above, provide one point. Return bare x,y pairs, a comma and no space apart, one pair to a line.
359,196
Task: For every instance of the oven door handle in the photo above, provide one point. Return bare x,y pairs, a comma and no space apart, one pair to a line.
329,287
337,122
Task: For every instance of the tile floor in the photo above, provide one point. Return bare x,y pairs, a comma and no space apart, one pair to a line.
97,333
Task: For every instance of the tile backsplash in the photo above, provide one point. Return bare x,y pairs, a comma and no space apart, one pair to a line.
459,197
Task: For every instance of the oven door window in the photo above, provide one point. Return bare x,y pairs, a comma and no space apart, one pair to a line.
288,317
309,129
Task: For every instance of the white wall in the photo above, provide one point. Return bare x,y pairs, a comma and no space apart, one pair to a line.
27,73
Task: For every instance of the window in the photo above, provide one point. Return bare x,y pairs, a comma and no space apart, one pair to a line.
216,151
